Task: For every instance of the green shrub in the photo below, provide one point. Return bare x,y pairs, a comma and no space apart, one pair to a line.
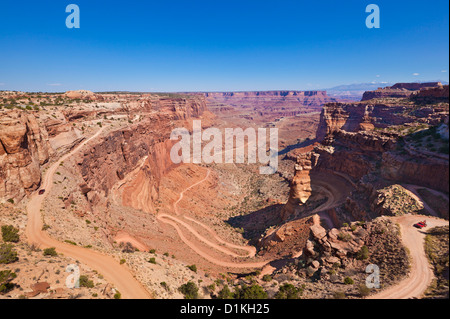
363,253
85,282
6,276
117,295
344,237
225,293
50,252
165,285
288,291
10,234
189,290
152,260
251,292
122,261
193,268
267,278
348,281
7,254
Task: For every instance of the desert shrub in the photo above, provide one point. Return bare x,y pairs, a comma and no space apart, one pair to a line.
364,291
267,278
348,281
344,237
122,261
128,248
117,295
339,295
7,254
193,268
189,290
85,282
10,234
225,293
152,260
50,252
288,291
250,292
6,276
212,287
363,253
165,285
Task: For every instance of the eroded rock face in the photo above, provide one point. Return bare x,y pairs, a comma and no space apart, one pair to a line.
142,149
399,90
354,144
273,103
301,189
83,95
425,171
360,116
24,148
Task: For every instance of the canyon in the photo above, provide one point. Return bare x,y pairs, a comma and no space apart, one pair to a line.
345,169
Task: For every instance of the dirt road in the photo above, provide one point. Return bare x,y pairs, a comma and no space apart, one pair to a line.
421,272
117,274
175,222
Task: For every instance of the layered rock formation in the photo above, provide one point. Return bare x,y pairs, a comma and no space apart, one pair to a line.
24,147
364,141
142,149
400,90
273,103
27,137
83,95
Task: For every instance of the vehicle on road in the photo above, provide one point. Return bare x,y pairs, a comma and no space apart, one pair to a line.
42,191
420,225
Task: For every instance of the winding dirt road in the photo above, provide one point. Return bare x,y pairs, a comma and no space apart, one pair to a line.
175,222
119,275
421,273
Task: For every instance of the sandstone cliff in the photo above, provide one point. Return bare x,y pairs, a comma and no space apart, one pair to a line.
141,150
390,141
399,90
273,103
24,148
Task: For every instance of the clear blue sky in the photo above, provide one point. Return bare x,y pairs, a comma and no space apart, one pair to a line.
219,45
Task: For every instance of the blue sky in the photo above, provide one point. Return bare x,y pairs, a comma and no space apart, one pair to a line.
217,45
